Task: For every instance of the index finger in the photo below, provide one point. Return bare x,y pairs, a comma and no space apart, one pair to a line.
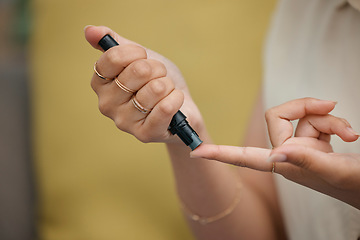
251,157
279,118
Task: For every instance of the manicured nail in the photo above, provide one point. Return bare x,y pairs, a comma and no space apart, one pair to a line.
87,26
333,102
277,157
352,131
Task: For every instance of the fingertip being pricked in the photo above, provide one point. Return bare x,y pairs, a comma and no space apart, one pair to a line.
200,151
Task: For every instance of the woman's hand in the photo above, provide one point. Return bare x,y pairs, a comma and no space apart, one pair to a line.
306,157
144,91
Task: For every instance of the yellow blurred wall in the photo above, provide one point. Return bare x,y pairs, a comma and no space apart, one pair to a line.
96,182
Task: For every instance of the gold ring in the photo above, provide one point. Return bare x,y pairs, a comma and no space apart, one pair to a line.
273,168
123,87
101,76
139,107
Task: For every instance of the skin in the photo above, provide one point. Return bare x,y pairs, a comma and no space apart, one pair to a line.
153,77
205,187
307,157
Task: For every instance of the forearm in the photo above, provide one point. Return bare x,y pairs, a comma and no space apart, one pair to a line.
205,187
208,188
261,182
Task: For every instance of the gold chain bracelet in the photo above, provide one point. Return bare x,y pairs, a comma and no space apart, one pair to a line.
222,214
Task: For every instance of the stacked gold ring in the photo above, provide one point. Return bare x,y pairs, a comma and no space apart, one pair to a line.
101,76
139,107
123,87
136,104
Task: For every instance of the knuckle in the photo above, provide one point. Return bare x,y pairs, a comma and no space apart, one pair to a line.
133,52
142,69
304,164
180,96
166,109
139,51
158,68
93,85
344,121
120,122
269,113
120,55
306,100
144,137
114,57
157,87
303,161
104,107
240,162
161,69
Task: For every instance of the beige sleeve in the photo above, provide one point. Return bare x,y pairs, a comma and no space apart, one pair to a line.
355,4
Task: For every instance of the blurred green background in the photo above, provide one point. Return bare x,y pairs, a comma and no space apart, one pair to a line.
93,181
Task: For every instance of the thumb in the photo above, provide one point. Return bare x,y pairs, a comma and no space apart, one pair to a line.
305,157
93,34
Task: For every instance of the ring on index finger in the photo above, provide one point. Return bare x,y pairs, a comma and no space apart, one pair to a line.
273,168
101,76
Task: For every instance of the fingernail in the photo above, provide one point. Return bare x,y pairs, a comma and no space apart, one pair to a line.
352,131
277,157
333,102
87,26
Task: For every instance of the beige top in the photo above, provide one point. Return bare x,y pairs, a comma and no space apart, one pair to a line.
313,50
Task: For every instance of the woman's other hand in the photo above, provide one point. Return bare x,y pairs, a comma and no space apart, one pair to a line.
306,156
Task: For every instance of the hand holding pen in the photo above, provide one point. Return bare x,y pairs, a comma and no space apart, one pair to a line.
141,91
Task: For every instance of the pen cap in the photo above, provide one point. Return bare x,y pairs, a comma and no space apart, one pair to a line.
182,128
107,42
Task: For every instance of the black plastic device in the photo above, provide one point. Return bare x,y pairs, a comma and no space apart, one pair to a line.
178,124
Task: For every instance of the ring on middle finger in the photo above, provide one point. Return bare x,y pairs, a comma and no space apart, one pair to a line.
123,87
